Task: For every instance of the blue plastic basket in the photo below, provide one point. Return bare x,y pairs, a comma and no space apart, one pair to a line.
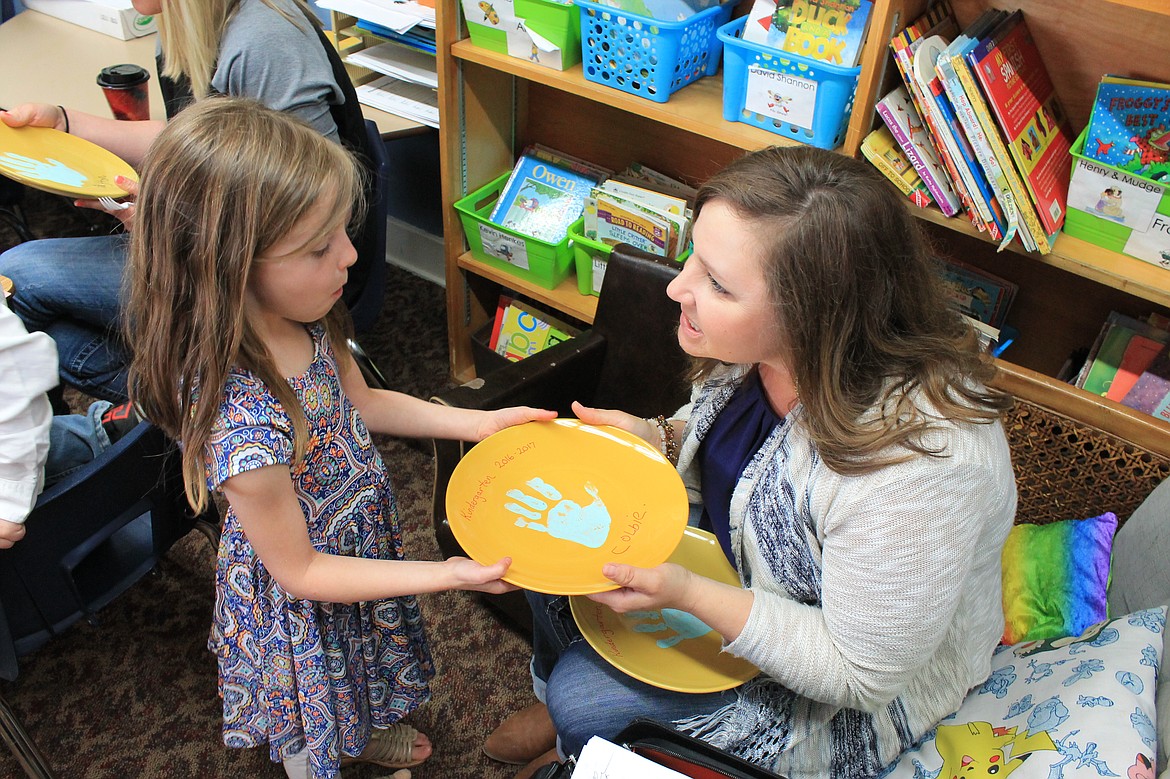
645,56
747,63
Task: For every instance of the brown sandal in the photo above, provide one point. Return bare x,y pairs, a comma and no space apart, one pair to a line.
390,747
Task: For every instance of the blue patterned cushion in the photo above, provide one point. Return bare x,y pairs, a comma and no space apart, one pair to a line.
1055,709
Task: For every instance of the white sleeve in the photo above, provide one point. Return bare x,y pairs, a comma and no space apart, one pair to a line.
28,369
899,550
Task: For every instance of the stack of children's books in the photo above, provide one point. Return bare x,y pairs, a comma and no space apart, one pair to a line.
828,30
982,297
546,193
1130,363
520,330
642,208
1130,127
1123,203
978,119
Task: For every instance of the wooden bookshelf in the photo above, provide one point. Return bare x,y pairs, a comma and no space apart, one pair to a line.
493,105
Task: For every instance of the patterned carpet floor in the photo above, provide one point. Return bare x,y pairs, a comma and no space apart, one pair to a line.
134,695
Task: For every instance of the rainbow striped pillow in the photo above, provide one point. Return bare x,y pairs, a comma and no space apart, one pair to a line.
1056,577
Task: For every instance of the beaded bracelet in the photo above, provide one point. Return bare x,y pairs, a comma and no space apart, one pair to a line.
65,116
668,445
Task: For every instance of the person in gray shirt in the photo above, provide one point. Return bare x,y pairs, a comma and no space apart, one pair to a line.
269,50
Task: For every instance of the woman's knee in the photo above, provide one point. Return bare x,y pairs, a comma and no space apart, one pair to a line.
588,697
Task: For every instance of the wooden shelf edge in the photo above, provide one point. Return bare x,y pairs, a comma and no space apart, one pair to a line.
697,108
1112,269
565,298
1153,6
1138,428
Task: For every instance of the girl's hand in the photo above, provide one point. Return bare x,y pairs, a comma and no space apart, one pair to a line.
646,589
34,115
642,428
126,215
495,421
470,575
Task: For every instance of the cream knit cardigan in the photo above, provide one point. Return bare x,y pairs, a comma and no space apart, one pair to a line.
877,597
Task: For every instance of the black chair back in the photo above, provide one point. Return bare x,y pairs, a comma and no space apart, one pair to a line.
88,539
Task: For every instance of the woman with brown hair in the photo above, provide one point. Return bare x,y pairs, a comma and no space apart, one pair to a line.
843,445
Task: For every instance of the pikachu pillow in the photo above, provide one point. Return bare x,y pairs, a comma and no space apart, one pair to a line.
1055,709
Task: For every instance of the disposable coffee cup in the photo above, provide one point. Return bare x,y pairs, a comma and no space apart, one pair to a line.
126,90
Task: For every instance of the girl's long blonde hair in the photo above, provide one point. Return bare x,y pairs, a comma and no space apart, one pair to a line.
224,182
858,306
191,31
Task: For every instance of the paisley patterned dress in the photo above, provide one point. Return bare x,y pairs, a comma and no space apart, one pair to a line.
298,673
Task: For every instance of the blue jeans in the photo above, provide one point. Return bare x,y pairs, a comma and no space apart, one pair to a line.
74,440
587,696
69,288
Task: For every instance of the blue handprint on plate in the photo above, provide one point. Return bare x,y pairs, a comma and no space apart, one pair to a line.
683,624
46,170
566,519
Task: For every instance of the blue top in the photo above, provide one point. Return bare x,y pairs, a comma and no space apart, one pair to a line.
736,435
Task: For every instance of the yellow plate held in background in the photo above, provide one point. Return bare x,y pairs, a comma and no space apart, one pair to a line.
668,648
563,498
60,163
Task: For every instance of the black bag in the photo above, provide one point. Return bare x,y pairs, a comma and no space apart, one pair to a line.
663,745
689,756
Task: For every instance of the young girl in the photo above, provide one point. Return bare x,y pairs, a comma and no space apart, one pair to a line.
237,264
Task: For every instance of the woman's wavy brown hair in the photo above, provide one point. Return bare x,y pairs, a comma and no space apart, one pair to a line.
858,306
224,182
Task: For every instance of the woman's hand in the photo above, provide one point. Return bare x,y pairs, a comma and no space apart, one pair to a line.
10,533
667,586
642,428
495,421
470,575
35,115
125,215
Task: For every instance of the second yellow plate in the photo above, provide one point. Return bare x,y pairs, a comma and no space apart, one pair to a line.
60,163
668,648
563,498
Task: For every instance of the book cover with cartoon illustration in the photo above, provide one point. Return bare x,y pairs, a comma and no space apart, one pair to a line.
541,199
767,23
1130,127
976,293
908,129
1019,91
884,153
612,220
522,330
828,30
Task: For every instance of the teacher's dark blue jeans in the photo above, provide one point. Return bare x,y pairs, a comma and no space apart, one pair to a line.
69,288
587,696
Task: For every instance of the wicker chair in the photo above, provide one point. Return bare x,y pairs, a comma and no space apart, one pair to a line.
1076,455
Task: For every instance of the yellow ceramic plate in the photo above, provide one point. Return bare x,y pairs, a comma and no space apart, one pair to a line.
60,163
563,498
668,648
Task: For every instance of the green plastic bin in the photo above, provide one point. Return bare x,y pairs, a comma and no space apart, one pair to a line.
538,262
590,257
556,22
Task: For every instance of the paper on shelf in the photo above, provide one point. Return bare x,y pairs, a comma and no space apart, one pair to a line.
397,16
401,62
605,760
411,101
